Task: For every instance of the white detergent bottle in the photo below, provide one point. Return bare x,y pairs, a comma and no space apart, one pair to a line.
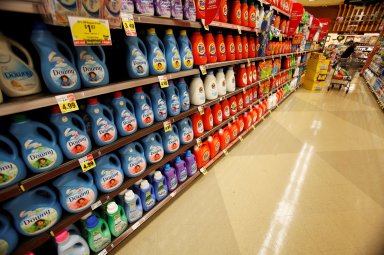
220,82
71,244
230,79
196,90
16,77
210,86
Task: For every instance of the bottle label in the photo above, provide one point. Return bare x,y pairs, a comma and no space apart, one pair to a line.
186,101
41,157
245,78
105,131
149,201
62,74
133,213
161,190
38,220
240,48
173,143
8,172
214,89
201,49
212,49
188,57
147,114
211,120
139,63
200,126
4,246
227,139
91,7
253,17
159,63
234,107
128,121
240,103
187,134
219,115
246,16
250,76
136,165
247,100
238,15
119,224
232,48
201,5
183,174
110,179
226,111
193,168
77,143
241,126
99,241
176,60
91,70
253,48
175,103
161,108
246,47
222,48
79,198
225,10
235,132
173,183
206,155
156,153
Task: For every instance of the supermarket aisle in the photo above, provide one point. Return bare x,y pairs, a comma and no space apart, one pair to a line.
308,180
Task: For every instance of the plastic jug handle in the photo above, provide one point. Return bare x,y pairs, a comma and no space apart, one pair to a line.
101,53
162,94
116,159
107,112
148,100
46,189
189,121
23,50
141,149
174,127
161,45
142,46
48,130
88,175
190,44
177,92
130,106
11,145
158,138
67,49
80,121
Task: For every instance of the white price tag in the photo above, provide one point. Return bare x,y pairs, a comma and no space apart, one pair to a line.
203,69
201,109
239,29
103,252
198,141
241,138
203,171
95,205
173,194
225,152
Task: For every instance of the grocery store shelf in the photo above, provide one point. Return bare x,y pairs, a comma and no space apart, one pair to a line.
378,76
275,8
232,26
377,97
165,21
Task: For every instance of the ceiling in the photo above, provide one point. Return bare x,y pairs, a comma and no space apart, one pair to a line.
320,2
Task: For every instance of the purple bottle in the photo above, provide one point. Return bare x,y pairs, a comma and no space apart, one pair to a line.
171,177
189,10
163,8
176,9
181,169
144,7
190,162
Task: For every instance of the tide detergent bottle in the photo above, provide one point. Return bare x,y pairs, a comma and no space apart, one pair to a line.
171,140
185,102
39,148
171,52
181,170
225,109
34,211
171,177
116,218
197,124
76,190
93,70
185,130
185,47
198,49
101,121
147,195
108,174
225,138
8,236
214,145
210,46
217,114
143,108
202,154
156,50
196,90
153,148
17,77
159,103
173,101
98,233
190,161
160,186
230,48
70,243
137,63
220,47
124,113
12,168
132,206
132,159
59,73
71,132
208,119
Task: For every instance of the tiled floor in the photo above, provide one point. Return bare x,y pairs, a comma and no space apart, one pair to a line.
308,180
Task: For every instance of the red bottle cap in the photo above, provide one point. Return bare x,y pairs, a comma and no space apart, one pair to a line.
93,101
118,94
55,109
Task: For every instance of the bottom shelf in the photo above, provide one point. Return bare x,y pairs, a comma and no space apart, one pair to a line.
377,96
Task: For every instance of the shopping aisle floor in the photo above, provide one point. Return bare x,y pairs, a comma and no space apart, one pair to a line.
308,180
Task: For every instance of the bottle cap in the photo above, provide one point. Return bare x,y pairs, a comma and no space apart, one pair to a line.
151,31
189,153
169,32
242,66
167,167
112,208
183,32
93,101
158,176
92,221
220,70
196,76
117,94
178,159
210,138
129,196
61,236
210,71
39,26
144,184
19,118
139,89
55,109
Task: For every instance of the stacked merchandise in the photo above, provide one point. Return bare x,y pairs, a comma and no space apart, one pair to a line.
317,71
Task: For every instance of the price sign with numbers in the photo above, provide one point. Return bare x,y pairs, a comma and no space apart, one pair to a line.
128,24
198,141
67,103
167,126
203,171
88,31
239,29
87,162
241,138
206,27
203,69
163,80
201,109
225,152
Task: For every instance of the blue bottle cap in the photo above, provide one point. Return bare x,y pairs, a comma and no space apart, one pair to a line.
92,221
39,26
189,153
178,159
167,167
196,76
210,71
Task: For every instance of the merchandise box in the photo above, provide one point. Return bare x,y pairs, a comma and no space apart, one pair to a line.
320,67
313,85
316,76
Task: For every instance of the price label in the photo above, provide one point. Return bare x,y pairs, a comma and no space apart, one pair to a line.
233,118
239,29
103,252
167,126
241,138
225,152
249,61
137,224
280,38
163,80
203,171
128,24
173,194
198,141
253,127
206,27
221,99
201,109
203,69
89,31
244,91
95,205
67,103
87,162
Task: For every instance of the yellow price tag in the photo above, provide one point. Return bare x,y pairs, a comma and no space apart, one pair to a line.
201,110
163,80
253,127
249,61
241,138
128,24
87,162
67,103
239,29
89,31
280,38
244,91
167,126
225,152
203,171
203,69
198,141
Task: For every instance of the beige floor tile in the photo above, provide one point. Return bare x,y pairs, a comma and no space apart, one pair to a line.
350,251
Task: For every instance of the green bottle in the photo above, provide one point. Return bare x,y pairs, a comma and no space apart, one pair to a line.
98,233
117,221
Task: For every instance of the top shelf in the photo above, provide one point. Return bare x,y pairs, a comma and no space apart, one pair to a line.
232,26
275,8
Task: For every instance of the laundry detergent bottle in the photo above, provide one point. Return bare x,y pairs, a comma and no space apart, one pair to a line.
34,211
132,159
210,47
220,47
71,133
12,168
185,130
171,52
137,63
217,114
196,90
197,124
147,195
160,186
70,243
59,73
185,47
153,148
133,207
108,174
98,233
162,8
202,154
173,101
171,177
176,9
185,102
8,236
230,79
101,121
198,49
17,78
116,218
39,148
143,108
181,170
225,109
210,86
124,114
190,162
77,190
220,82
171,140
156,53
159,103
230,48
93,70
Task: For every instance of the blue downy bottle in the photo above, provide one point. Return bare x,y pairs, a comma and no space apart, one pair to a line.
171,140
92,69
185,48
173,100
12,168
185,102
38,143
71,133
158,102
124,113
143,108
102,126
108,174
76,190
132,159
172,54
147,195
133,207
34,211
153,148
160,186
185,130
156,56
137,63
59,73
8,236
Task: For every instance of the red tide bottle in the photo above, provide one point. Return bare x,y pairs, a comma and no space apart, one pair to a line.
214,145
230,48
225,109
252,14
235,17
244,42
217,114
240,123
244,13
254,72
202,154
210,47
238,47
200,9
251,47
241,76
240,102
197,124
208,119
233,130
247,117
198,49
223,11
232,105
249,74
220,47
225,138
